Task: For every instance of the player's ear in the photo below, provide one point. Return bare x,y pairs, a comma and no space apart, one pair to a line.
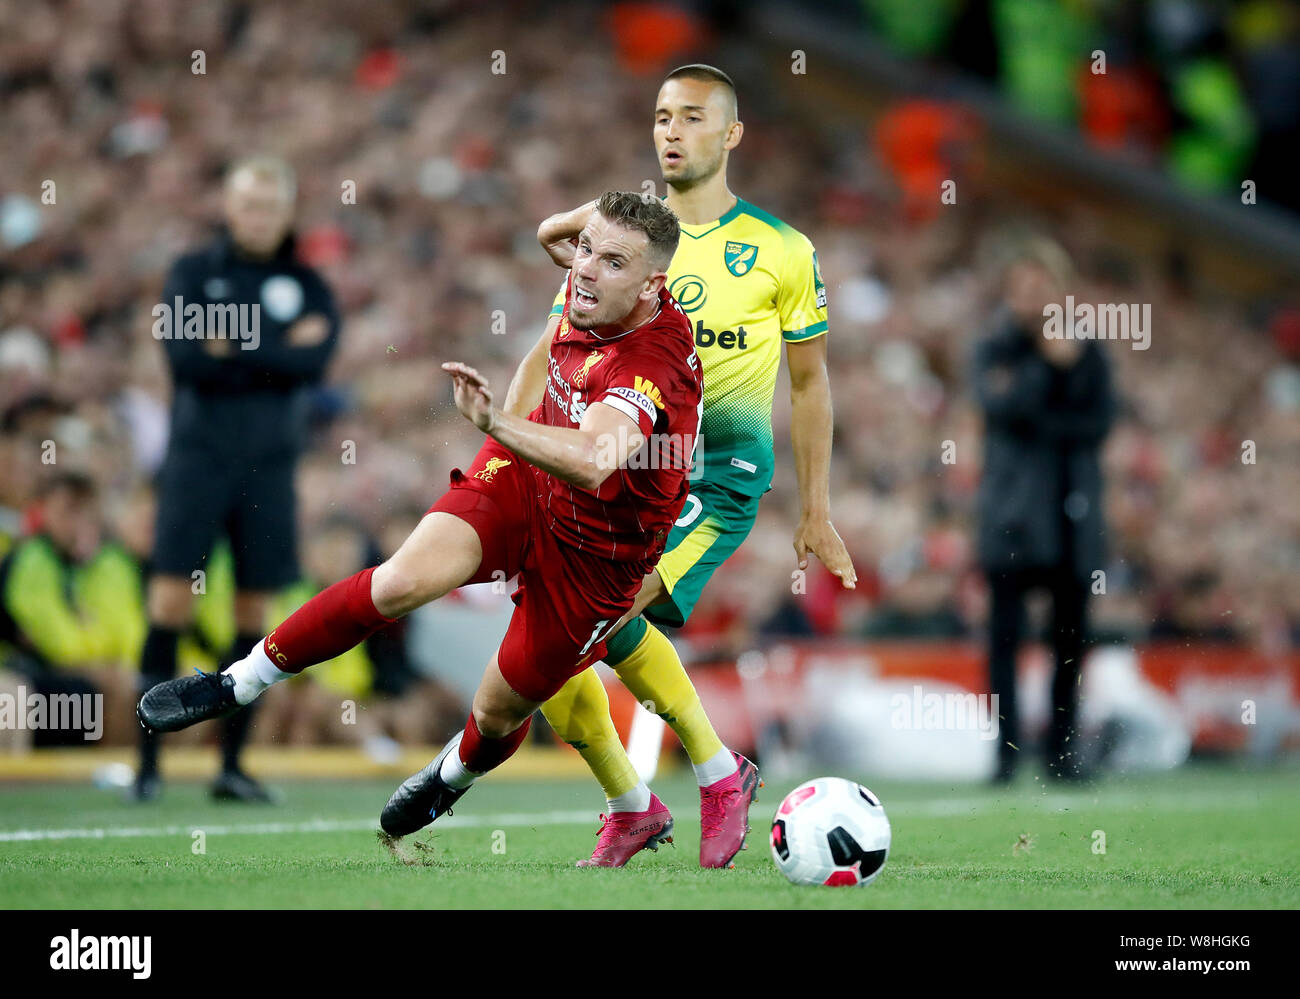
734,132
653,284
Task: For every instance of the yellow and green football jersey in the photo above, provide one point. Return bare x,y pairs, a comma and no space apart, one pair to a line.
747,281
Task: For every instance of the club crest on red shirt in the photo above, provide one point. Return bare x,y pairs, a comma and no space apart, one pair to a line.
580,376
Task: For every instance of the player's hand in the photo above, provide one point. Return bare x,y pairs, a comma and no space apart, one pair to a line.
818,535
562,251
473,397
559,233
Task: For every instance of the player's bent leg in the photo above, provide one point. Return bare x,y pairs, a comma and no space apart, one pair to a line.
440,554
637,819
579,714
497,726
648,664
650,668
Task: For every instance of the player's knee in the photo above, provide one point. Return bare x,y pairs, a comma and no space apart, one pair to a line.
441,554
398,588
496,722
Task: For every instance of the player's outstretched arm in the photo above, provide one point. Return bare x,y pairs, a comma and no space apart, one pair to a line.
559,233
811,428
529,383
584,457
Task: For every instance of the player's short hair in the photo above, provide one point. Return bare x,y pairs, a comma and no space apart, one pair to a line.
266,167
644,214
705,73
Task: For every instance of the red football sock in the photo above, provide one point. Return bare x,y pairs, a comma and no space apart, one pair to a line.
336,619
481,754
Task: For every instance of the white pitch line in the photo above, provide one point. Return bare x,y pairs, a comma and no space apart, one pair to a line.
939,808
281,828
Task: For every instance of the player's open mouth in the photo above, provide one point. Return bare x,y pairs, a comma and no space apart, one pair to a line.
585,299
673,156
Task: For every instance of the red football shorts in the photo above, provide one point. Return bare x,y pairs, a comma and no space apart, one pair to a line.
567,601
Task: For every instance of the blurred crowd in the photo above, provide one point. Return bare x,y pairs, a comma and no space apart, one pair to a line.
459,130
1207,89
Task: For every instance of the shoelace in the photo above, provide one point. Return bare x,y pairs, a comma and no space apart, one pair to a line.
713,811
606,833
198,694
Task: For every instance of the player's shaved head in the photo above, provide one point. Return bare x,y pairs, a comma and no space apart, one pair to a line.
695,125
704,73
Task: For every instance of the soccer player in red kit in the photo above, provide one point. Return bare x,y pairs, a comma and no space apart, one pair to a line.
577,500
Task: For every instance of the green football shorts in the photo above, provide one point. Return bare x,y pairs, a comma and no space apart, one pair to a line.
712,525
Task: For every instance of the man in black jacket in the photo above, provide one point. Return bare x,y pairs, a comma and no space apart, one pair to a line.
1048,407
247,329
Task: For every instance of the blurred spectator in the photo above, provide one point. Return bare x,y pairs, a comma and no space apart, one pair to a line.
1048,407
1211,90
49,631
927,145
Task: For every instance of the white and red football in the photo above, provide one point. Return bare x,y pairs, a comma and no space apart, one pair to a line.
830,831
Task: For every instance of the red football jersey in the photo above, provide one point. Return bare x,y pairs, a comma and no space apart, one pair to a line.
653,375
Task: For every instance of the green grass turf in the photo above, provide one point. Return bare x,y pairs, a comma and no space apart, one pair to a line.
1206,836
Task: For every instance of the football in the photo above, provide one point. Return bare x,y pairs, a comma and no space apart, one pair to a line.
830,831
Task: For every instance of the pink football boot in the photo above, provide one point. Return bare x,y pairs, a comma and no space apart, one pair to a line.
724,814
624,834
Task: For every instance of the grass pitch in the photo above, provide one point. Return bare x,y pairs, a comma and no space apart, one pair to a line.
1204,837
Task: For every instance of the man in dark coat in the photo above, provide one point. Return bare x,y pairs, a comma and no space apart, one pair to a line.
1048,406
248,329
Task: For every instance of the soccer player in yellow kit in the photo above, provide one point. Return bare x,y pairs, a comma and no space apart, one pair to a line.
748,282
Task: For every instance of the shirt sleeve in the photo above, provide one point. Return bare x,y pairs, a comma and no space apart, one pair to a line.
641,401
801,299
650,383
